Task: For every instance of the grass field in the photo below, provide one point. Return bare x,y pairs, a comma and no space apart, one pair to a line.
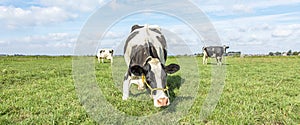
258,90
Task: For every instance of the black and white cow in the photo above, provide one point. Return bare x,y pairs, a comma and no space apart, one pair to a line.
145,55
105,54
214,52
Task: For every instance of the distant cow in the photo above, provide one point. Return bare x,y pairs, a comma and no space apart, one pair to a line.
145,55
105,54
214,52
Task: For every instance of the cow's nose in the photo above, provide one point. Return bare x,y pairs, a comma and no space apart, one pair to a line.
163,101
141,87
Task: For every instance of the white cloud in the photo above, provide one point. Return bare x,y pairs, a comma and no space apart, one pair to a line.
281,33
114,35
61,45
44,12
51,38
3,42
71,5
271,3
260,34
17,17
239,23
223,8
294,26
212,8
242,8
51,43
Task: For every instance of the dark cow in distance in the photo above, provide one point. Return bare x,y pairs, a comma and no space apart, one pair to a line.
214,52
145,55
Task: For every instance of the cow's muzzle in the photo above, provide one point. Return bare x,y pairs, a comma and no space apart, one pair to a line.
141,87
161,102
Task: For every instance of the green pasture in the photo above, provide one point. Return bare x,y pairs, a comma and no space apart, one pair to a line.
258,90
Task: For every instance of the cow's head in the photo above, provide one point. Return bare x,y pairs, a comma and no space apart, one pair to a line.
156,77
111,51
225,47
101,51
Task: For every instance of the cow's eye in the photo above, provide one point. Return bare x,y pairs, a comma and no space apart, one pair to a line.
148,81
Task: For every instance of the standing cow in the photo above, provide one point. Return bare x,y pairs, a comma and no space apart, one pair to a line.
214,52
105,54
145,55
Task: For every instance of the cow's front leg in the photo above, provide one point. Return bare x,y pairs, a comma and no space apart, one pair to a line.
102,60
204,59
126,87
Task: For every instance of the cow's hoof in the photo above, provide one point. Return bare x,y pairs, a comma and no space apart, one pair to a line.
141,88
151,96
124,98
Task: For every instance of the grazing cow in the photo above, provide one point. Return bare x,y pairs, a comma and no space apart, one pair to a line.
105,54
214,51
145,55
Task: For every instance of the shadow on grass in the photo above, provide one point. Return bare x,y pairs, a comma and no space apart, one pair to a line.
139,94
174,82
173,105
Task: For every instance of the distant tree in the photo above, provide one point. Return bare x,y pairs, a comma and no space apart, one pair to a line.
289,52
271,54
295,53
198,54
278,53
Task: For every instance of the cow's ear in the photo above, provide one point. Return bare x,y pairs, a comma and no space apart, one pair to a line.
172,68
136,70
146,68
111,51
134,27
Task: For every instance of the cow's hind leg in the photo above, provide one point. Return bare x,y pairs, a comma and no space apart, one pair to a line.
219,60
126,86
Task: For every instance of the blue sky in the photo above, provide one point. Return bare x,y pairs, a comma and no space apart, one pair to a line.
52,27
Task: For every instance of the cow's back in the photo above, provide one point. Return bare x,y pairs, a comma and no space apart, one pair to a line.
142,43
214,51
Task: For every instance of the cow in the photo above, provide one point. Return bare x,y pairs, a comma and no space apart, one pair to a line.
214,52
145,54
105,54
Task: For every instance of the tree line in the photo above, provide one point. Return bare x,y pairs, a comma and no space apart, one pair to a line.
288,53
